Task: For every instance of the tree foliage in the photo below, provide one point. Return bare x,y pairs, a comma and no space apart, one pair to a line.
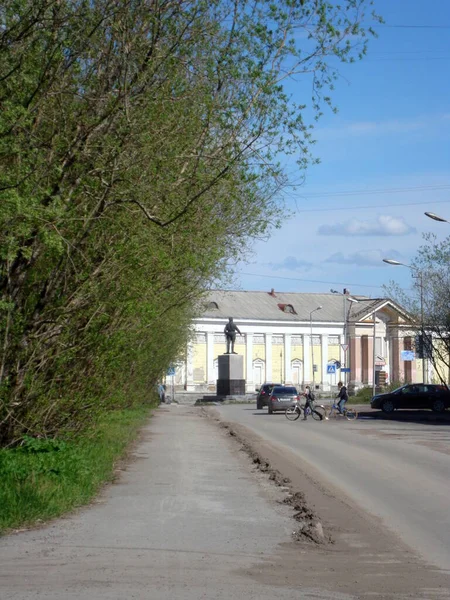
140,144
431,283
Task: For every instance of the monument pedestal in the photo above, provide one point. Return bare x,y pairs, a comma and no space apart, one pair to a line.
231,380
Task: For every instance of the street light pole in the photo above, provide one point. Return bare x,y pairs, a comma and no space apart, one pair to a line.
390,261
312,345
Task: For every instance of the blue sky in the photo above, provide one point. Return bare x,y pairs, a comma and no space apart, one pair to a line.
385,159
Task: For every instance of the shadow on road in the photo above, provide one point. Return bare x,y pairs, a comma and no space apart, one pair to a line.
412,416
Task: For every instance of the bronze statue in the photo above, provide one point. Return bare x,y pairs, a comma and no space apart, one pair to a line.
230,333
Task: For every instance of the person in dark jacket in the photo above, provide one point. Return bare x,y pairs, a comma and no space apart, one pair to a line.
343,397
309,402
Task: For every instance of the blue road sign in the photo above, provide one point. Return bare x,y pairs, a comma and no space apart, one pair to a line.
407,355
345,370
170,371
331,369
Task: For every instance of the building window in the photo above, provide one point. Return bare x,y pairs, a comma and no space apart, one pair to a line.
219,338
277,339
258,338
287,308
200,338
297,340
333,340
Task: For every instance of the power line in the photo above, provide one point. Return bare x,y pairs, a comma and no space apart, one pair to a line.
399,59
423,188
348,207
378,287
411,26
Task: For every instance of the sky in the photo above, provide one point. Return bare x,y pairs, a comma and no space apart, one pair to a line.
385,160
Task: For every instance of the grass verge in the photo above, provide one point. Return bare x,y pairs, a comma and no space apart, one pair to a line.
43,479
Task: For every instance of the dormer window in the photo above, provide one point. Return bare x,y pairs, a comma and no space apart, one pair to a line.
287,308
212,306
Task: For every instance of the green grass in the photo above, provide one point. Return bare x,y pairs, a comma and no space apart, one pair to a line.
42,479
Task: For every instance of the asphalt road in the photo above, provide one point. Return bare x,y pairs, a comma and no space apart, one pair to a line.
398,471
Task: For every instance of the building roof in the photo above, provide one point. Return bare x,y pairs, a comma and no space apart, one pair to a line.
276,306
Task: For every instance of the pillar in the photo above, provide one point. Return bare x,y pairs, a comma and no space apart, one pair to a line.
287,358
307,368
324,347
249,386
190,387
210,359
268,338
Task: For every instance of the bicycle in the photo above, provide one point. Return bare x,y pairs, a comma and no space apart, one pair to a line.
293,412
333,412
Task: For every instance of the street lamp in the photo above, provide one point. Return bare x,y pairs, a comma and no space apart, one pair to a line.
312,344
347,298
396,263
436,217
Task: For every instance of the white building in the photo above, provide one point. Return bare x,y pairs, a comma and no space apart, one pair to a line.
301,339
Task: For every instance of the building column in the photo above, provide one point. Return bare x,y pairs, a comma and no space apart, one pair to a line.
324,346
307,368
190,387
287,358
366,348
355,349
249,384
210,359
268,338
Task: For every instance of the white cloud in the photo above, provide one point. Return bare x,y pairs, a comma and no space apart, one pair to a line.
364,258
384,225
290,263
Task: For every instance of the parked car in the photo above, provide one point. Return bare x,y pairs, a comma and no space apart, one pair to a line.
281,397
264,393
414,395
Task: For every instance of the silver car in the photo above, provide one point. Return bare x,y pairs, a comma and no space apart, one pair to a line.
281,397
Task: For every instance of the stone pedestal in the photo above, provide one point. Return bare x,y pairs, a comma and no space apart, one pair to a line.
231,380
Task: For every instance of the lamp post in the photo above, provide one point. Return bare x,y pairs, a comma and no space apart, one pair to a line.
347,298
311,341
396,263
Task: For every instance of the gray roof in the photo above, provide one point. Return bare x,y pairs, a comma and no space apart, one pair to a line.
265,306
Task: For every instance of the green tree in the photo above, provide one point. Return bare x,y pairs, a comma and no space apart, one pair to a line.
140,146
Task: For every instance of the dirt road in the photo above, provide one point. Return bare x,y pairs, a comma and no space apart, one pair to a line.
399,472
194,516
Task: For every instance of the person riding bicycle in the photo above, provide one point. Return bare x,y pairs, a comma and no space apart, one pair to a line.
343,397
310,398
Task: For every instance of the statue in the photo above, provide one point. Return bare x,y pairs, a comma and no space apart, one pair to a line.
230,334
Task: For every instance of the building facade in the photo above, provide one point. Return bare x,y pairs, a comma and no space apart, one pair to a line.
315,339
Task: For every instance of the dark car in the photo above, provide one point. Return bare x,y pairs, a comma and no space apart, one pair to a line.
281,397
414,395
264,393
